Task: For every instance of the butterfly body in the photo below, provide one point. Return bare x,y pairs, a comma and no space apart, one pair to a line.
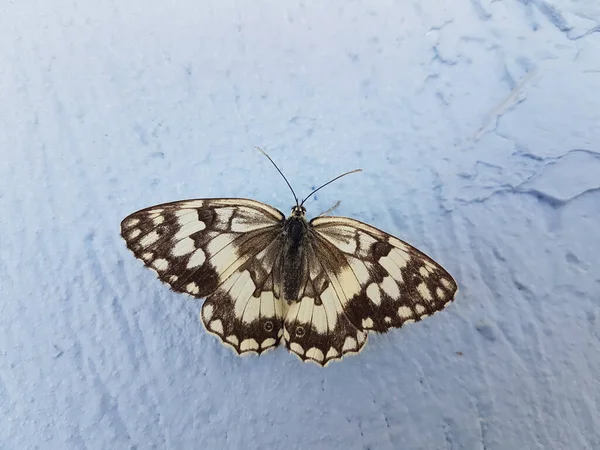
295,234
318,287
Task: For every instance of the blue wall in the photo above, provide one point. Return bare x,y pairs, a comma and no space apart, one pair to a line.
477,126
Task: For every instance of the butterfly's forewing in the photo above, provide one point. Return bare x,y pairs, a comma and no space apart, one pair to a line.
390,283
221,249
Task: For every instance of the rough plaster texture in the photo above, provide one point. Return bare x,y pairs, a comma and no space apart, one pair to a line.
477,124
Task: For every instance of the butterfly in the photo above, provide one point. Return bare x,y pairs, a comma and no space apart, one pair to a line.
317,287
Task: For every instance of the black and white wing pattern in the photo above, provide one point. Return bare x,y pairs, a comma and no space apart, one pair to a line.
224,250
361,280
317,287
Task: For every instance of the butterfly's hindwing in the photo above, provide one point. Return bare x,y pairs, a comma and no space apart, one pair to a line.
246,310
316,328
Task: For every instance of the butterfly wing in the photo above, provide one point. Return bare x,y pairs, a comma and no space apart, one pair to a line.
388,282
356,278
361,279
316,327
223,249
246,311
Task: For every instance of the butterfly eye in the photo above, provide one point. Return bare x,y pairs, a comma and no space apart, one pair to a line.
300,332
268,326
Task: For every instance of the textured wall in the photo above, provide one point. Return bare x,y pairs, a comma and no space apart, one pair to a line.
477,125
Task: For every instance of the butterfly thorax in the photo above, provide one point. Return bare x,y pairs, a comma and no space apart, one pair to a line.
295,233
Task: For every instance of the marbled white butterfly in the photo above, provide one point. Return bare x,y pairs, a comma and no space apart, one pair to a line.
318,287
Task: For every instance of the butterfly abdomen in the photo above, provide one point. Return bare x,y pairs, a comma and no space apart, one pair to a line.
293,256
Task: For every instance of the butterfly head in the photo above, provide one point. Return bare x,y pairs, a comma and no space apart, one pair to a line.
298,211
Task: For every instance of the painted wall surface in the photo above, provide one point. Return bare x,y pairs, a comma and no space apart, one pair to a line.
477,125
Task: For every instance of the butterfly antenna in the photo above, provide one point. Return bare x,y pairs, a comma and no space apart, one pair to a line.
273,162
329,182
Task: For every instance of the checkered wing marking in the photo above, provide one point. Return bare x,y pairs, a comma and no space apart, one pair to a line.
387,282
221,249
246,311
316,328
